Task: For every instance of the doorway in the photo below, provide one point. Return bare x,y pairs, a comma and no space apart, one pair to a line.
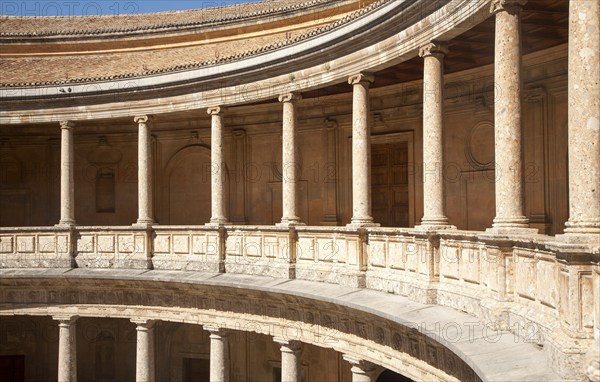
391,183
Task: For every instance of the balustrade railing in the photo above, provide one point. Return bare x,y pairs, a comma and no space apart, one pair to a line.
544,291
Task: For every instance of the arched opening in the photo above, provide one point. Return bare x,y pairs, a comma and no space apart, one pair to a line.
187,198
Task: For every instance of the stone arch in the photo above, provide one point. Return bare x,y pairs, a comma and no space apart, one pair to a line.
187,196
323,323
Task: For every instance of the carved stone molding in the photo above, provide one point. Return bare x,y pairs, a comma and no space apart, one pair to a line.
290,97
217,110
364,78
506,5
434,48
66,125
141,119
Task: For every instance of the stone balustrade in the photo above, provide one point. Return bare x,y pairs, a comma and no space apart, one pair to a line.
537,288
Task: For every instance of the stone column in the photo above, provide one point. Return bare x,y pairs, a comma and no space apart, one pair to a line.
362,371
217,170
145,214
433,150
290,360
219,356
67,180
144,355
289,164
584,121
67,348
361,151
508,153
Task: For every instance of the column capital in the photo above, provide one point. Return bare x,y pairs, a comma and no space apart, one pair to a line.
140,119
216,331
363,365
361,78
434,48
359,366
66,319
506,5
290,97
144,323
66,125
291,346
216,110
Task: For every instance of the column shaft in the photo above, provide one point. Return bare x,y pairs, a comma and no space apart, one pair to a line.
508,153
67,349
290,360
433,149
289,163
67,181
584,118
144,355
361,151
145,213
219,356
217,167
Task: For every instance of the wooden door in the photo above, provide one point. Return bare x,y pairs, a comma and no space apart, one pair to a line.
390,184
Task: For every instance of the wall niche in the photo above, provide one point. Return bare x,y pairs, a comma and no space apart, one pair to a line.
105,158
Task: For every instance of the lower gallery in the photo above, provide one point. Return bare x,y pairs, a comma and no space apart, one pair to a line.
302,191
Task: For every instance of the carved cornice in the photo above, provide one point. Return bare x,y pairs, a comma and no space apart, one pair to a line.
290,97
364,78
310,73
434,48
506,5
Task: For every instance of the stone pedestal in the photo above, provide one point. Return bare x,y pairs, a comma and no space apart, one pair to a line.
290,360
144,355
219,356
361,151
217,171
362,371
433,149
145,213
67,348
289,163
67,180
584,122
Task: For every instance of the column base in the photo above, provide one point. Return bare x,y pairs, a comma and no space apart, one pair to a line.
289,223
362,222
510,230
217,223
581,232
576,238
143,224
433,223
434,227
65,223
518,225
